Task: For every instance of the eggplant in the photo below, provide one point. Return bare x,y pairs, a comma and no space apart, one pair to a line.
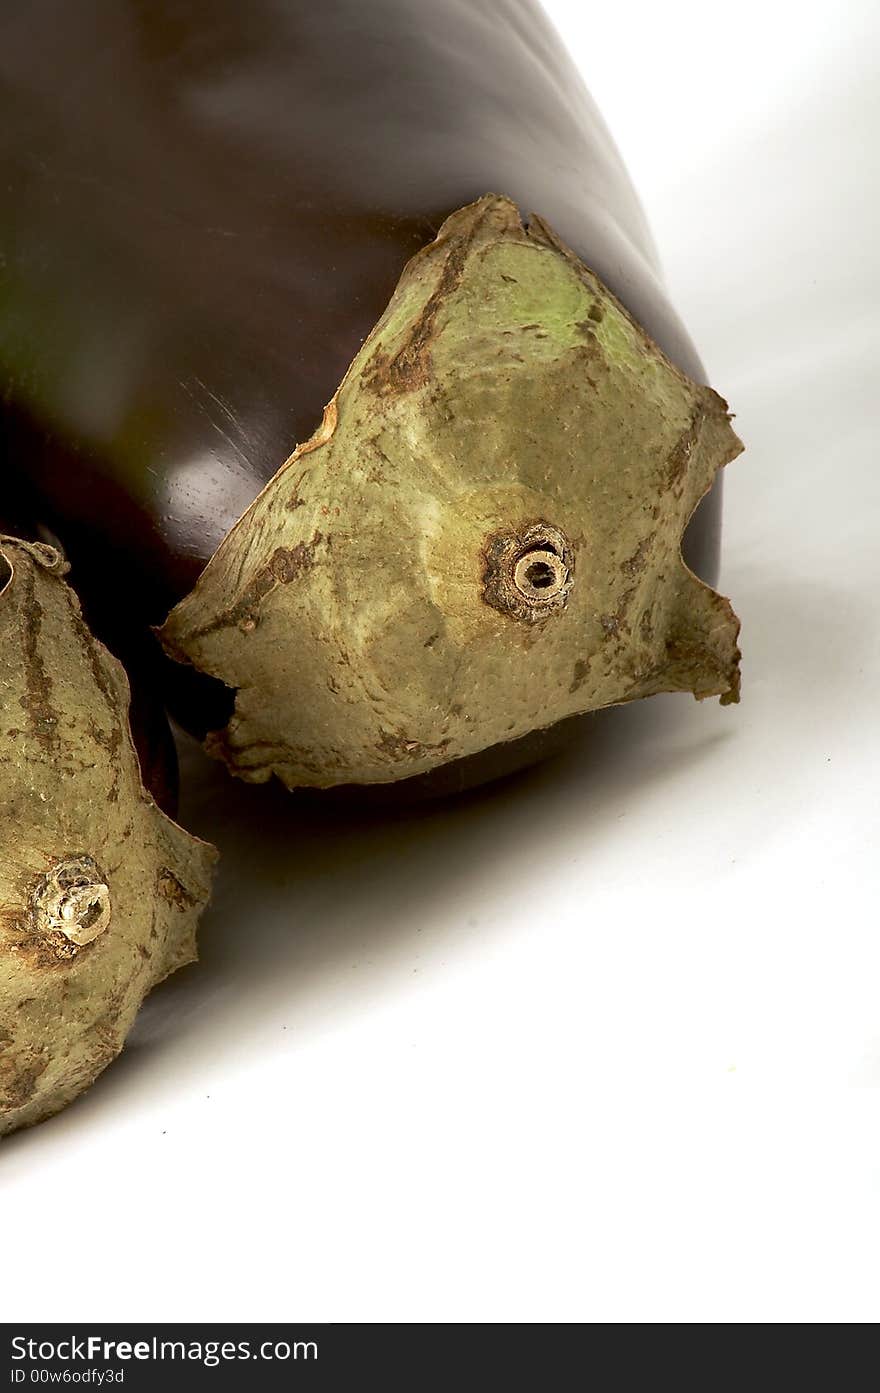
399,234
100,891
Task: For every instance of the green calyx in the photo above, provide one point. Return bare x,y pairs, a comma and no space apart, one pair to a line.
483,536
99,891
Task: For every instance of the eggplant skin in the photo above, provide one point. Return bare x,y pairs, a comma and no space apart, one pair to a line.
202,227
208,206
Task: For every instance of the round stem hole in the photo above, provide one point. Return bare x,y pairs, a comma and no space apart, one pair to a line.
540,574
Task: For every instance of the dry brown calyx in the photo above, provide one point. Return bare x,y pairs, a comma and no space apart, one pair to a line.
84,934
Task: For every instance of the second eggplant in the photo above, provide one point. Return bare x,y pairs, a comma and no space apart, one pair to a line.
100,892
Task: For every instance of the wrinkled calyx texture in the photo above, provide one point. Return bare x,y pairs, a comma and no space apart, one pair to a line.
99,891
482,537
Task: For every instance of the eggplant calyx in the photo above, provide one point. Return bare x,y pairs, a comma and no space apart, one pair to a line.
482,538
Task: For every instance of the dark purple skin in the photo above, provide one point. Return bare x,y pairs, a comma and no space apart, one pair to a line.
206,207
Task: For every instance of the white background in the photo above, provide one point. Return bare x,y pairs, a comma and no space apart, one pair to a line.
602,1042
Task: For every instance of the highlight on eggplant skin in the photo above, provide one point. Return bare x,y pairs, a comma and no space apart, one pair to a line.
192,284
100,892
